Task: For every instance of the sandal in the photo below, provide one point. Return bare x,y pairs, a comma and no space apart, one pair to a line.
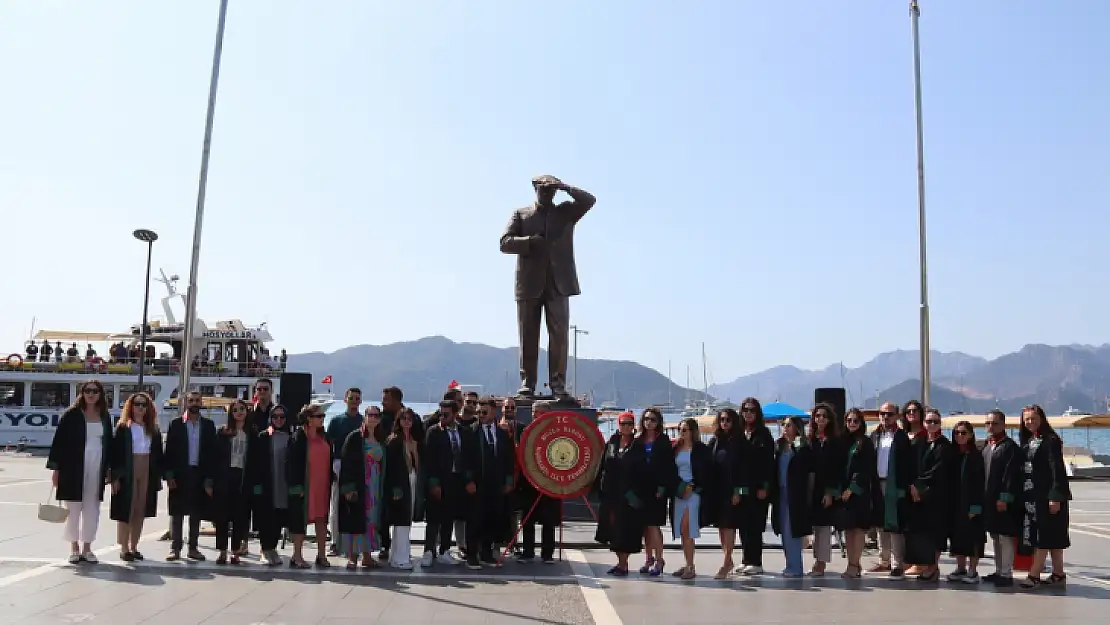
1057,579
1031,582
322,562
688,573
234,559
351,565
657,570
646,568
299,564
929,577
724,572
680,572
854,571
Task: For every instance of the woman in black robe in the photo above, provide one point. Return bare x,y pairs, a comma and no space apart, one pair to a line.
694,469
927,530
269,487
662,477
792,487
360,490
404,486
80,458
726,485
760,471
968,539
229,484
625,488
829,456
136,460
1044,498
858,478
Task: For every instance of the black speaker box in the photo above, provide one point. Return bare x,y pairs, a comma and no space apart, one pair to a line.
295,391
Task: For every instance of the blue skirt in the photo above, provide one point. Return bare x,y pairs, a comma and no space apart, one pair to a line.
683,506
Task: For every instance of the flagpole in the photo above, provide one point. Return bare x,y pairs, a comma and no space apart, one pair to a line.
191,292
915,13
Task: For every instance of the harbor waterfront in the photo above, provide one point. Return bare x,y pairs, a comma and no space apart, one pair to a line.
38,587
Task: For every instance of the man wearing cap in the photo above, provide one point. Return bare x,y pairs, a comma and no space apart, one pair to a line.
542,237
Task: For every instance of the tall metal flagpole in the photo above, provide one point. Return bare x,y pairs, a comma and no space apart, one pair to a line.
191,293
915,13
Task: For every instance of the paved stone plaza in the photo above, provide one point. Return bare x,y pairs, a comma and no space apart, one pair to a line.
37,587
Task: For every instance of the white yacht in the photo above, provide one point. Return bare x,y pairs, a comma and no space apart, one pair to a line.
35,392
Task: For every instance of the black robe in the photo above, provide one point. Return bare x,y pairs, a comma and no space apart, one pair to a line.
1003,483
967,485
189,497
663,477
397,491
454,504
761,471
701,465
829,458
625,488
1044,478
928,524
122,472
261,480
800,481
220,478
67,454
494,467
296,477
352,479
727,479
890,500
860,477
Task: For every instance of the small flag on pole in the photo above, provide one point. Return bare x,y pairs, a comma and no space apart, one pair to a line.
326,380
453,385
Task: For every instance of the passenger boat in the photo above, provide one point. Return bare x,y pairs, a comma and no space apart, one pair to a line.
34,394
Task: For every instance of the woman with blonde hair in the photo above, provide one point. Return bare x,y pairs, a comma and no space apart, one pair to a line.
136,461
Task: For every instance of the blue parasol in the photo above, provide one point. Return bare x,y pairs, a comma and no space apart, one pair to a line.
777,410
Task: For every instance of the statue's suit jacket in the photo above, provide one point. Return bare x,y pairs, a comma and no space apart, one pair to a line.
556,225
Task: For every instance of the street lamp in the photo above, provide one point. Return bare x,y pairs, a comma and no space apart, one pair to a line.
574,378
148,237
915,13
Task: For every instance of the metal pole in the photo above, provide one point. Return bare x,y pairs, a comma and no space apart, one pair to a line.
191,293
146,306
574,375
915,13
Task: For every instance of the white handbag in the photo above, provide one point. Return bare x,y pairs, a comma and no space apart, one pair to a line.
51,512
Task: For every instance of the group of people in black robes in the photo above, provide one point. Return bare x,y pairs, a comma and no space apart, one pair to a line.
919,491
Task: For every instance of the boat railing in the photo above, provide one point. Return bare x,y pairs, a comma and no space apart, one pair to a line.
130,366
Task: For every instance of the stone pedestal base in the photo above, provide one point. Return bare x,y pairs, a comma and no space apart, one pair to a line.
524,407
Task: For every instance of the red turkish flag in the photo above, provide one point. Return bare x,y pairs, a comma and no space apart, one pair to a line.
326,380
453,385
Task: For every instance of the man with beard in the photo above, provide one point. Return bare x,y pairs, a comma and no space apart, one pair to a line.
392,406
337,431
489,520
263,404
190,444
451,485
546,512
1001,462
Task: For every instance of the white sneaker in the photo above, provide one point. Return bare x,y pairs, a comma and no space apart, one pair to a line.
90,557
971,578
752,570
426,560
957,576
404,566
447,558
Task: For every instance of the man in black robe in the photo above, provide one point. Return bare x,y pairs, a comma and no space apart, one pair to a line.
546,512
1001,462
263,404
190,444
494,462
450,484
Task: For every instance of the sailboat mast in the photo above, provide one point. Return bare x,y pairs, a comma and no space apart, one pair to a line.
704,375
669,383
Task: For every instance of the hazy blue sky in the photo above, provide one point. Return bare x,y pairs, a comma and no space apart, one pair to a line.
753,163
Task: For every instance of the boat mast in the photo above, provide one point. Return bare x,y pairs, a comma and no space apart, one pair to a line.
705,377
206,150
669,384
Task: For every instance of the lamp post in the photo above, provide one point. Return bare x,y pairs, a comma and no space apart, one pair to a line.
148,237
574,375
915,13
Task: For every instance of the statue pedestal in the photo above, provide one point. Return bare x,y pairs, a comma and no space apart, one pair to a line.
524,407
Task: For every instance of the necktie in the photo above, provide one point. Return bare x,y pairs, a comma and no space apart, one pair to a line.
453,435
489,437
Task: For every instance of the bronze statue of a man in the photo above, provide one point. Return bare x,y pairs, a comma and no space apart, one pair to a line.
542,237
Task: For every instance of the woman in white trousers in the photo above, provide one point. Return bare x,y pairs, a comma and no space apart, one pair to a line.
79,460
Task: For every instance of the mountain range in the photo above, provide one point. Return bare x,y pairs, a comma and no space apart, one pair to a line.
1056,377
